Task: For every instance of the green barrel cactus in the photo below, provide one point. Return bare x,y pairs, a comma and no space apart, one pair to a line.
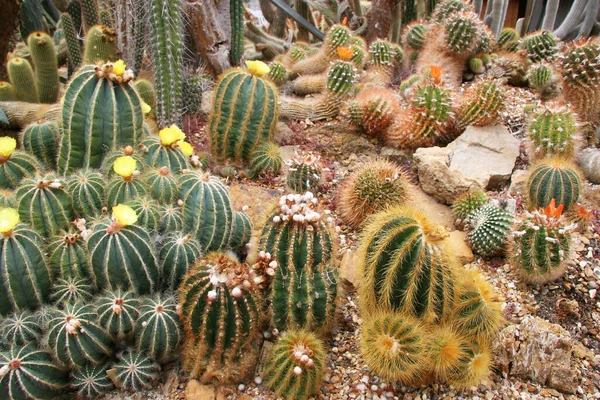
266,160
22,78
488,229
540,76
554,178
68,256
304,172
178,253
87,190
127,185
461,33
118,312
43,55
481,105
136,371
540,46
107,167
20,328
41,139
446,8
278,72
553,132
161,184
241,231
92,381
145,89
158,329
508,35
164,151
415,36
71,290
14,164
171,218
468,202
148,212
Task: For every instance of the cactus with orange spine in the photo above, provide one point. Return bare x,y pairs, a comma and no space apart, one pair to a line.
337,36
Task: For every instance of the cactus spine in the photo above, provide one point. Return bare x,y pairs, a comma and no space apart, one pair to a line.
41,139
158,329
86,188
91,381
488,229
68,256
553,133
376,110
481,105
118,312
23,80
540,46
554,178
43,55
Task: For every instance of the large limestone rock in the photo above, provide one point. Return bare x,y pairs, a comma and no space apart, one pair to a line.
482,157
538,350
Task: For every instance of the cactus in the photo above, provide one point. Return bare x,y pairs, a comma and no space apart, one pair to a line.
541,245
308,84
236,13
304,172
541,78
337,36
91,381
118,312
71,290
371,188
192,87
122,254
381,62
136,371
7,199
540,46
415,36
89,11
407,265
448,7
20,329
167,31
476,65
245,112
481,105
472,367
14,165
377,108
21,77
462,33
488,229
148,212
68,256
29,373
553,132
164,151
41,139
221,319
448,350
358,55
468,202
86,188
554,178
145,89
207,210
7,92
43,55
266,160
162,185
395,346
73,44
296,367
45,204
477,313
74,337
171,219
105,18
178,253
107,167
508,35
127,186
100,45
241,231
158,330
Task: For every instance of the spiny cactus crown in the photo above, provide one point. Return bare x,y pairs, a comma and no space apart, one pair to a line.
224,271
300,208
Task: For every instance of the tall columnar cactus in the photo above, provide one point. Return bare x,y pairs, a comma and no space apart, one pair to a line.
221,319
395,346
92,380
158,329
541,245
266,160
136,371
376,109
20,328
304,172
553,132
71,290
554,178
127,185
371,188
23,80
540,46
162,185
122,254
45,204
101,111
147,211
305,281
89,11
14,164
86,188
171,218
118,312
29,373
75,338
167,31
236,11
488,229
468,202
75,57
245,112
415,36
406,265
296,367
68,256
164,150
100,45
207,209
178,253
41,139
43,55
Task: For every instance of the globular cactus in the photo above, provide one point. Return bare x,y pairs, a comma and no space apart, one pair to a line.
481,105
395,346
337,36
541,245
540,46
553,132
68,256
101,111
309,84
164,150
245,112
122,254
29,373
20,328
220,311
22,78
462,33
376,108
158,329
383,57
448,350
171,218
298,51
304,287
207,209
266,160
107,167
542,78
472,367
128,185
71,290
508,35
415,36
304,172
296,366
178,253
136,371
278,72
476,65
92,380
7,92
41,139
162,185
488,229
589,162
477,313
118,312
43,55
74,336
100,45
147,211
554,178
86,188
45,204
358,55
371,188
145,89
193,85
417,278
14,164
446,8
467,203
7,199
241,231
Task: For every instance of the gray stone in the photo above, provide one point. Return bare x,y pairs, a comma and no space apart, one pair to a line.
518,181
589,161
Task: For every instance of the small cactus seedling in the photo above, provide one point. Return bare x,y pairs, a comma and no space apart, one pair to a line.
158,330
136,371
20,328
467,203
117,313
488,229
92,380
304,172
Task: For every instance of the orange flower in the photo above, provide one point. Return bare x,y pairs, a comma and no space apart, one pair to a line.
552,211
345,21
345,53
436,73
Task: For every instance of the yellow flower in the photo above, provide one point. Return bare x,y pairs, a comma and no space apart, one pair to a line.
187,148
9,218
171,135
257,68
7,146
146,108
124,215
125,166
119,67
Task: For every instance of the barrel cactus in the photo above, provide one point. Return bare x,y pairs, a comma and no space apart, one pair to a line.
147,211
553,132
158,330
266,160
68,255
415,36
171,219
375,110
554,178
162,185
86,188
136,371
481,104
118,312
20,328
468,202
164,150
14,165
109,161
71,290
127,185
488,229
178,253
540,46
41,139
304,172
92,380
